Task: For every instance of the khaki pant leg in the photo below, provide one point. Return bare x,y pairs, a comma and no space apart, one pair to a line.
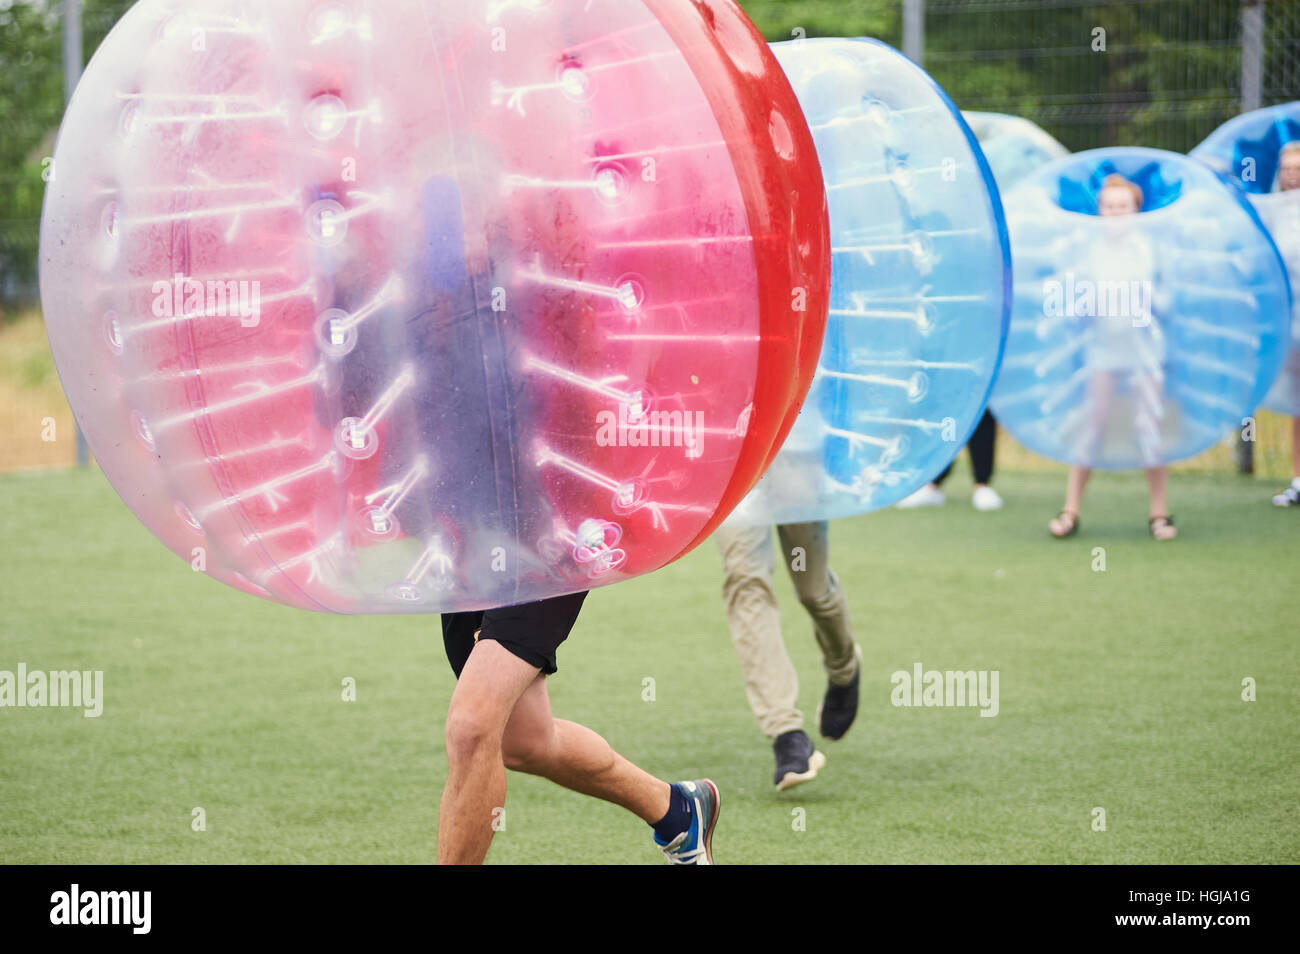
806,551
771,683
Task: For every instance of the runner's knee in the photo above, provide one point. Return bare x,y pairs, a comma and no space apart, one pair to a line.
817,596
470,731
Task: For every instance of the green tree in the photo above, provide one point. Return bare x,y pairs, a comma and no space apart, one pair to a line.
31,107
781,19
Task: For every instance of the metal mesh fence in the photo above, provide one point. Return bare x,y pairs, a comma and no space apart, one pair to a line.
1159,73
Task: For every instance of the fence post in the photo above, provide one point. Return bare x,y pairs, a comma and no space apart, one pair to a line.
72,59
1252,97
914,31
1252,54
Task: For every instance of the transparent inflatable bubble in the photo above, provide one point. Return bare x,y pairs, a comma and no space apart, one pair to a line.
1013,146
1137,339
1248,150
920,287
410,306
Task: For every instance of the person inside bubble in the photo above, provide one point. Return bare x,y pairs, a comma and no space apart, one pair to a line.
1124,353
499,716
1284,225
754,618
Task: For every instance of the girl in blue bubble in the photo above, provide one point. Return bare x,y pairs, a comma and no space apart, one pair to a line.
1284,224
1122,347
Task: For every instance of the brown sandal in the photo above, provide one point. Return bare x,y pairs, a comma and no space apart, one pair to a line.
1063,517
1158,523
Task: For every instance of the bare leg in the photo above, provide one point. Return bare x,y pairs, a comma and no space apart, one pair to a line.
577,758
1075,485
500,716
1295,446
1101,389
1158,482
490,684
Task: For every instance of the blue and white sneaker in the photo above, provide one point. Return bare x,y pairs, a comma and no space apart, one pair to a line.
695,845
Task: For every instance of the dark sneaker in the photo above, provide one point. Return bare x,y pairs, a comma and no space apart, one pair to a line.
797,760
839,707
695,846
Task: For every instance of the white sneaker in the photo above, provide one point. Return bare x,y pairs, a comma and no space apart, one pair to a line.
986,498
927,496
1289,497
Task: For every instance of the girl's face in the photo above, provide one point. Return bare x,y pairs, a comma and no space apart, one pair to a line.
1116,200
1288,176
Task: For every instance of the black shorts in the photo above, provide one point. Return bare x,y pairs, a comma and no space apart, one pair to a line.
531,631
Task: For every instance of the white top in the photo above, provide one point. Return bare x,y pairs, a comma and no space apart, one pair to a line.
1122,330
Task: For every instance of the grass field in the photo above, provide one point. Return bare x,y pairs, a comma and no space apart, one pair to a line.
1119,689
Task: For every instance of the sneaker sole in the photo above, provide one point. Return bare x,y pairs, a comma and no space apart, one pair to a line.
713,820
816,762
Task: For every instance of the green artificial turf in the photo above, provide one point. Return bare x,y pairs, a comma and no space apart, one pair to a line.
1119,690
